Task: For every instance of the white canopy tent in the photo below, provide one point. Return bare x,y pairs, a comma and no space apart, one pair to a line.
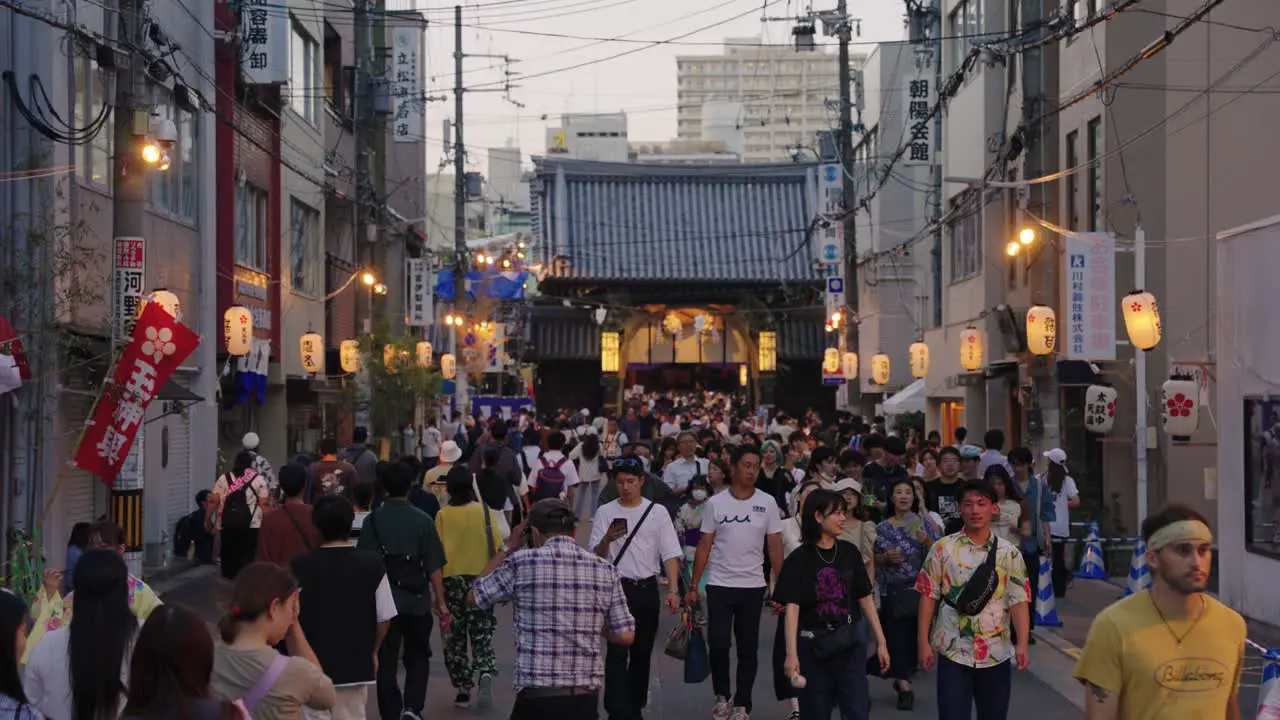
909,399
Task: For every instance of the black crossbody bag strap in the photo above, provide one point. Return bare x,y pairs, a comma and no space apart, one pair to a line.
632,536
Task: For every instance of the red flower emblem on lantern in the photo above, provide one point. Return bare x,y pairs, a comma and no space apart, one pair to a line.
1135,306
1180,406
1111,409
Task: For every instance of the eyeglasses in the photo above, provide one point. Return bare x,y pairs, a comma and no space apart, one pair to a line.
628,465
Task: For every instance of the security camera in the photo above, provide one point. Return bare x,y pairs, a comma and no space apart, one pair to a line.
165,132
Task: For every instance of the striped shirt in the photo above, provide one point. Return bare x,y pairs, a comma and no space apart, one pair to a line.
563,596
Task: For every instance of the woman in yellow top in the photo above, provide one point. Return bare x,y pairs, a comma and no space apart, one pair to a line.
51,611
470,533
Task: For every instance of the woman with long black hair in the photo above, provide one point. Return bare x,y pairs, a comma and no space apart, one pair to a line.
77,671
170,671
13,624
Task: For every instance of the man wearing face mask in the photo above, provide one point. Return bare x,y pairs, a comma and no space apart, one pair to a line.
559,667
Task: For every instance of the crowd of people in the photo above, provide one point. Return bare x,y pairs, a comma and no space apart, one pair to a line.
880,555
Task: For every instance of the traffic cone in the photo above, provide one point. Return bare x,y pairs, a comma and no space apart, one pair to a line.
1269,690
1091,565
1046,609
1139,573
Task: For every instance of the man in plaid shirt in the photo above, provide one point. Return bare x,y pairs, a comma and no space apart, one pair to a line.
563,597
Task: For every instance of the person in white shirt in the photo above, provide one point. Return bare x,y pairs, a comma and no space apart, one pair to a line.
431,439
670,426
736,526
613,440
993,454
638,538
552,459
1065,497
687,464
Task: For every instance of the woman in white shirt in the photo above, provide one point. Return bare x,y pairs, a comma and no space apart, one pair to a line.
1065,497
93,649
791,539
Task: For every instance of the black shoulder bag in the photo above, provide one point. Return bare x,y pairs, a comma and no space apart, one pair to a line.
843,638
632,536
405,572
980,586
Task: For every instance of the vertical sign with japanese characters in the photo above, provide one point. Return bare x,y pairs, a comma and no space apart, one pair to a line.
920,97
264,36
419,303
129,273
828,235
406,84
1090,285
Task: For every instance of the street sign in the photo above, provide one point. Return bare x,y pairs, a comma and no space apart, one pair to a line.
835,294
828,235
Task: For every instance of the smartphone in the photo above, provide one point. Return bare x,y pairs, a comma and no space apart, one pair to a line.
619,524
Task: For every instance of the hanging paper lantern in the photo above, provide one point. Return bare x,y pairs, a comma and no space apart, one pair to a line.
743,378
610,344
1042,330
312,348
880,369
831,361
1141,319
424,354
1099,408
448,366
850,361
768,353
390,356
1180,407
971,348
919,355
168,301
237,325
349,356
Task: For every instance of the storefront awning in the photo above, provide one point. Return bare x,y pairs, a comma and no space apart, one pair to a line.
909,399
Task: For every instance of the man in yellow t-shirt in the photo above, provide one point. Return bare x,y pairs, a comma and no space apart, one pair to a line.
1172,652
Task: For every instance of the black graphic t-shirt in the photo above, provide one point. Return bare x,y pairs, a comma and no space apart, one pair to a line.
944,498
826,584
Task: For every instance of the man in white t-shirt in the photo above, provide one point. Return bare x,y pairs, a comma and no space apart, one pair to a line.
680,471
638,537
736,526
1065,497
431,439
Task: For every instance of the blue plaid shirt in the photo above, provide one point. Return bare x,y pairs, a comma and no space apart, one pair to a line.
563,596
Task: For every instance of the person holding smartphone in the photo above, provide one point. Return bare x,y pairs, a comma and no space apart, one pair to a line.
638,537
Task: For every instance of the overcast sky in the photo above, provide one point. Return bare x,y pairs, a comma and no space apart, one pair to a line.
642,83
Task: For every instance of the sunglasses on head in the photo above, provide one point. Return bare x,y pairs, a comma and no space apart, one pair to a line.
628,465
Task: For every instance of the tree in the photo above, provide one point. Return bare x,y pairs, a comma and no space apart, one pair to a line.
391,384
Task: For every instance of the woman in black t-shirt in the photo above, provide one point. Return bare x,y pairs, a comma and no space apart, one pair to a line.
824,586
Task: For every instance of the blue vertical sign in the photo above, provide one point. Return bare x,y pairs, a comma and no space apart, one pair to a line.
828,236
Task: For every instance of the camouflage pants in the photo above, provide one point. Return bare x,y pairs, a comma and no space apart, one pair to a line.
469,625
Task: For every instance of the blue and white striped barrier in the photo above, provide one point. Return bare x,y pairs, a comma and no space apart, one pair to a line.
1269,690
1046,608
1139,573
1091,565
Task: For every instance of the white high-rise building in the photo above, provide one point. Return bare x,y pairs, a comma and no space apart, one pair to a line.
786,96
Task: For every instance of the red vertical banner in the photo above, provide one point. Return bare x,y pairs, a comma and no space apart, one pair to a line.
158,345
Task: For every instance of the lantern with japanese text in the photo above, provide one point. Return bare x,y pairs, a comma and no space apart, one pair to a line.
768,353
168,301
850,361
610,344
349,356
831,361
390,358
424,353
743,376
919,355
237,324
1099,409
448,366
971,348
1042,330
880,369
311,346
1141,319
1180,407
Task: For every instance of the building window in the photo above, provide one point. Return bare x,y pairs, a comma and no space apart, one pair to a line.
964,25
1262,476
334,80
1086,10
966,247
93,159
251,227
1071,204
175,191
304,248
305,91
1094,130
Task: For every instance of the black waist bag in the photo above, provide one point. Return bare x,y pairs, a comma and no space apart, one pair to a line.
980,586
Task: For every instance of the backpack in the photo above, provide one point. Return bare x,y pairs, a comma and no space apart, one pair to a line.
235,505
549,482
407,573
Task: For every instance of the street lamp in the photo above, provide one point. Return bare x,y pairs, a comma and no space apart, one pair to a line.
368,278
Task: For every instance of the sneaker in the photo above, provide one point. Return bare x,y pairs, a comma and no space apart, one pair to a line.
462,700
484,690
794,715
721,710
740,713
410,715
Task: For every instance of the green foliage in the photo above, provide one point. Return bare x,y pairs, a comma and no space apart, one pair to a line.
26,565
393,391
909,421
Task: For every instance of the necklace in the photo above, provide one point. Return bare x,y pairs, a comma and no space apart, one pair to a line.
1176,638
835,551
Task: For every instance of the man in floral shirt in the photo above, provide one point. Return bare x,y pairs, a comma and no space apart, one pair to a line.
975,650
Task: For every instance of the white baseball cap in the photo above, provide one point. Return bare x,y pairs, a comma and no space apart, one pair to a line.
1056,456
848,484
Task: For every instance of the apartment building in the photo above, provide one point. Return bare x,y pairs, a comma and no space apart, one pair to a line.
590,136
787,96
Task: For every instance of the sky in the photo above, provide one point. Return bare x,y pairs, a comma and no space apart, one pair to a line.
642,82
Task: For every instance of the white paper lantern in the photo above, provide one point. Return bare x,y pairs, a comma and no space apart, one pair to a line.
743,376
448,366
390,357
168,301
831,361
1141,319
237,325
971,349
1042,330
880,369
424,354
850,365
349,356
1180,407
919,356
312,348
1099,408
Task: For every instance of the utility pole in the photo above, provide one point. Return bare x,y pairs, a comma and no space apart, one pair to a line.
1140,377
128,220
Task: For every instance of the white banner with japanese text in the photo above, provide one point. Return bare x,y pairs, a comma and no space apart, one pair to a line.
1090,285
406,84
419,298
